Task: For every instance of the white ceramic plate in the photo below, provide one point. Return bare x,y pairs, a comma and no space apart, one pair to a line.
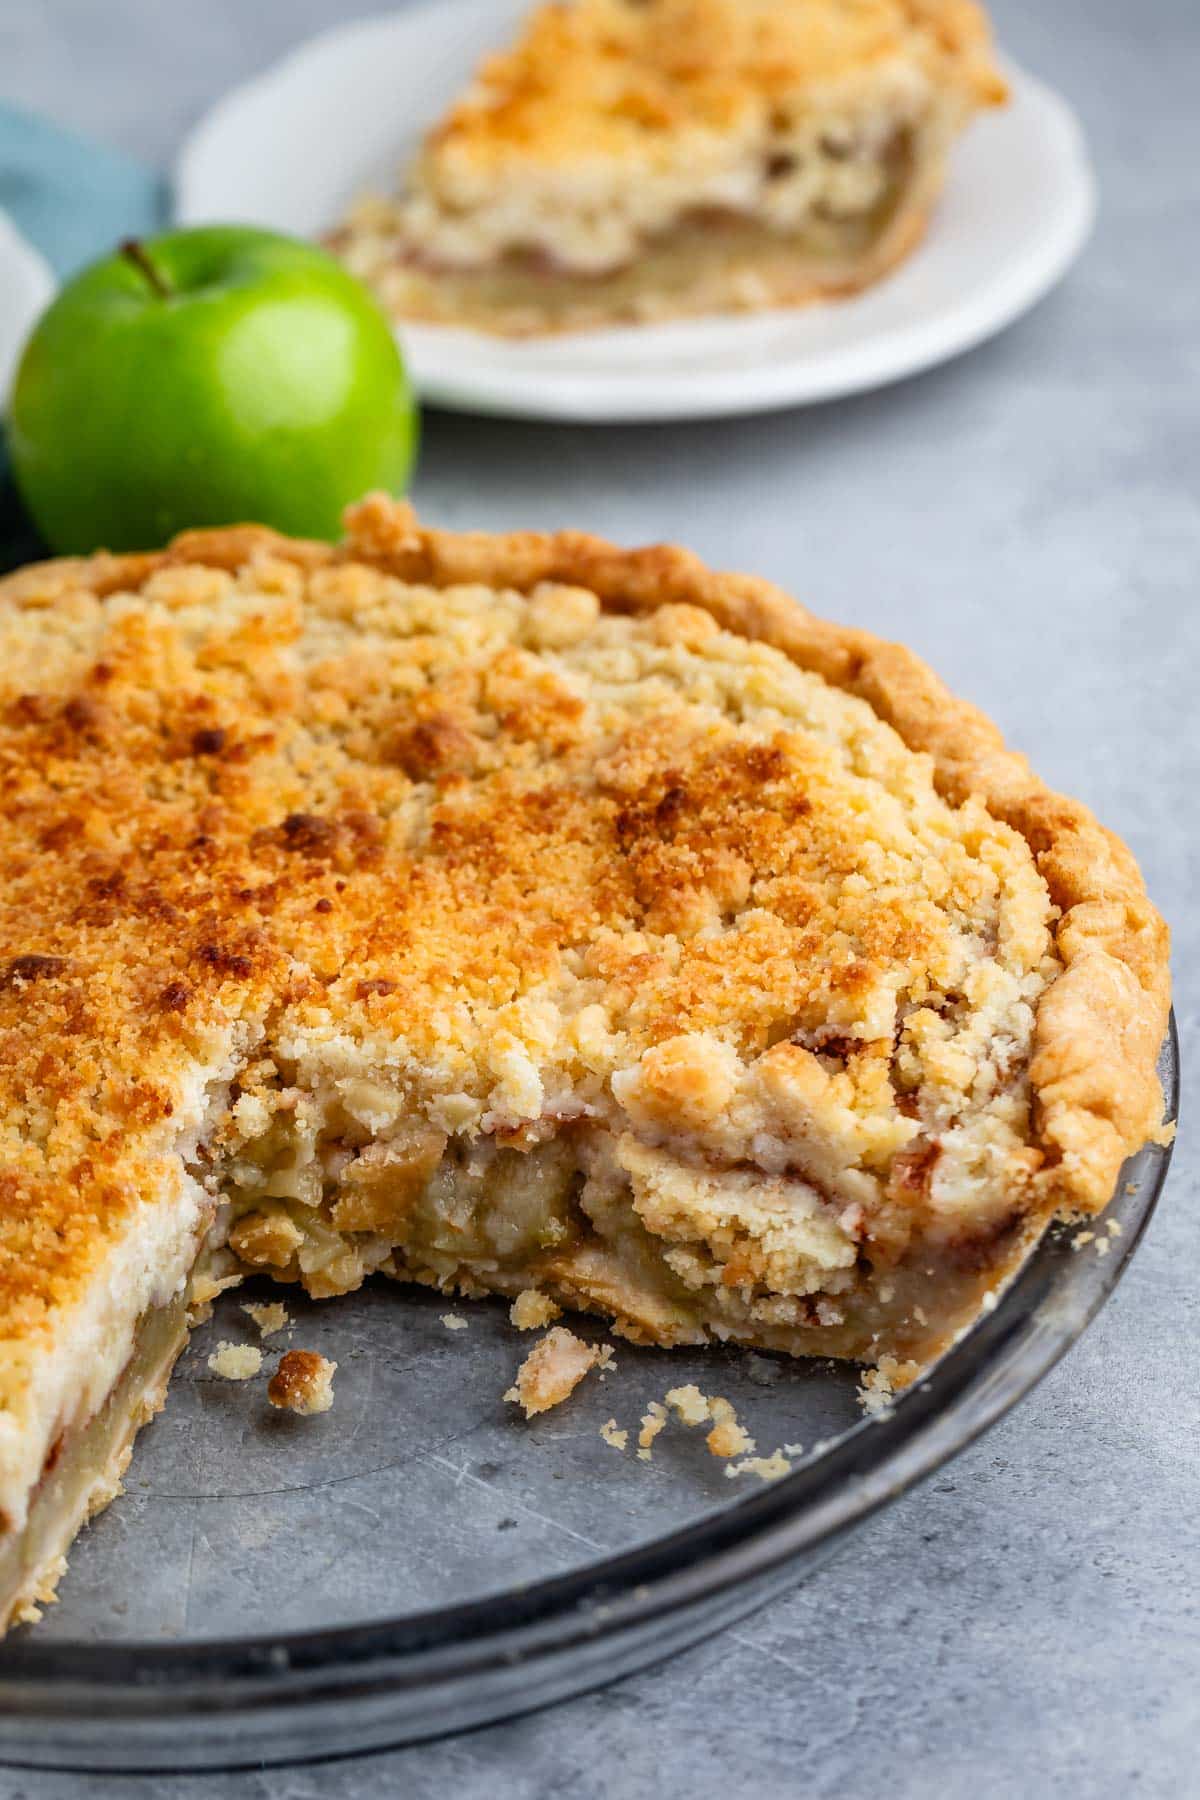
291,148
26,285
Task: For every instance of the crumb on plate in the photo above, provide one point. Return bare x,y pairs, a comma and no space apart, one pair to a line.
653,1421
878,1386
270,1316
235,1362
689,1403
612,1435
454,1322
727,1437
303,1382
553,1370
768,1468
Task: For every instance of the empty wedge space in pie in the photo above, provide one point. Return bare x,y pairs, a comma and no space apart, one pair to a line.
636,160
517,912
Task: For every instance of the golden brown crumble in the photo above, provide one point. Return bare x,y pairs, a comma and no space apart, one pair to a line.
611,1434
553,1370
598,75
271,1317
727,1437
767,1468
303,1382
531,1310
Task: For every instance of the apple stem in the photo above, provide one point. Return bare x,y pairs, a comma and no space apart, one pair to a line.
138,255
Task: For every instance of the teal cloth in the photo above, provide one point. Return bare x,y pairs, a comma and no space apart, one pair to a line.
74,201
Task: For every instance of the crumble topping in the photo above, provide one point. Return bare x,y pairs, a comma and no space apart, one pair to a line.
236,1362
612,1435
879,1385
553,1370
690,1404
531,1310
303,1382
271,1317
768,985
654,1420
727,1437
454,1322
767,1468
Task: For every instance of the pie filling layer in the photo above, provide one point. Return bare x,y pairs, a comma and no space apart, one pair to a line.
714,255
671,1251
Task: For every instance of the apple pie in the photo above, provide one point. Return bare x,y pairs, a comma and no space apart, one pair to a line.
511,913
636,160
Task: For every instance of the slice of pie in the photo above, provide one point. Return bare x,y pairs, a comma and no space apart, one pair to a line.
644,159
509,913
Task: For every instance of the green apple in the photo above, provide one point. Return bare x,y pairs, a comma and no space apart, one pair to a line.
207,377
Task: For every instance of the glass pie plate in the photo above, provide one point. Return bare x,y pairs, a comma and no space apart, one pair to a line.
420,1560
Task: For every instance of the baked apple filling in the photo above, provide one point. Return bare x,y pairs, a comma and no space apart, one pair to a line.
705,1198
813,219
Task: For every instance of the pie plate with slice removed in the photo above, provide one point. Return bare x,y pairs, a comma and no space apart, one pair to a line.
420,1560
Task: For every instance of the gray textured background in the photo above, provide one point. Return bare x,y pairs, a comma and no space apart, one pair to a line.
1029,518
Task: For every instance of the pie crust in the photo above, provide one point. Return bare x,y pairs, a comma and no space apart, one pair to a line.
515,913
638,160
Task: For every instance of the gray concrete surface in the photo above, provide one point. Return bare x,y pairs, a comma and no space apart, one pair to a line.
1029,518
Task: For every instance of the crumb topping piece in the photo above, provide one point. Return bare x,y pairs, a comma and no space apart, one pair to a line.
271,1317
879,1386
727,1437
303,1382
553,1370
654,1420
767,1468
236,1362
531,1310
454,1322
611,1434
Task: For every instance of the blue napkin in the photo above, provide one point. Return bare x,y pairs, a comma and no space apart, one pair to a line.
74,200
